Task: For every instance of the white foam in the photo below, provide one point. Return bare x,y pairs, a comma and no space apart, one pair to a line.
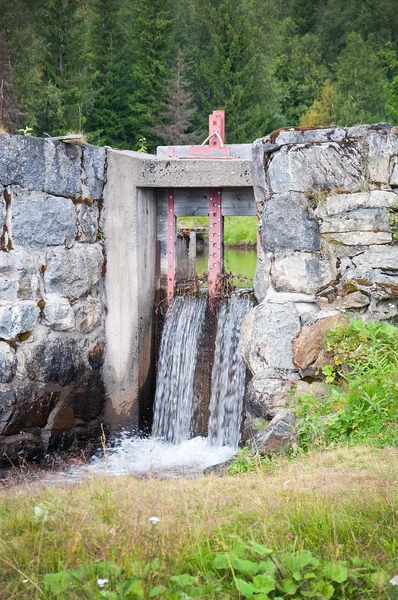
150,455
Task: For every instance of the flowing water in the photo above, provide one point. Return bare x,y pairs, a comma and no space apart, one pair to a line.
175,393
228,375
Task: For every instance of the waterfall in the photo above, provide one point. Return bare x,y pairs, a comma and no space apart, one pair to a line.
175,394
228,375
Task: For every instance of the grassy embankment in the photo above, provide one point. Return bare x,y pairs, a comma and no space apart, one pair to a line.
329,517
238,231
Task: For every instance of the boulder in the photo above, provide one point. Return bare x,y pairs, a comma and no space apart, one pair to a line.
367,219
289,224
75,272
337,166
38,219
94,171
17,448
26,407
267,393
309,136
261,279
302,272
379,257
17,318
58,313
277,437
61,418
351,300
308,344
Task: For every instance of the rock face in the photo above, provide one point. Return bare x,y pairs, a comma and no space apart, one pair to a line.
51,294
328,203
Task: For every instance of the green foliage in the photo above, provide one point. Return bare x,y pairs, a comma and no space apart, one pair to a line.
250,571
245,461
362,404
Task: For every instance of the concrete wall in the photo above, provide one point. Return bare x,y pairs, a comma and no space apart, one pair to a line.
130,234
327,201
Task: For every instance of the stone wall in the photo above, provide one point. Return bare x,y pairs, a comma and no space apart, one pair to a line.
327,201
51,294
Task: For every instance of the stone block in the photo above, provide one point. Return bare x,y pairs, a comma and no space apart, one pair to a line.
61,418
56,360
383,310
394,171
273,297
75,272
309,136
302,272
9,285
8,363
17,318
58,313
370,220
39,220
381,147
39,164
261,279
88,398
87,222
378,257
289,224
266,336
347,301
324,166
360,238
94,173
336,204
88,312
29,285
309,342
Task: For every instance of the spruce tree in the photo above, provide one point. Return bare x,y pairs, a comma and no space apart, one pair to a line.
107,115
177,111
151,71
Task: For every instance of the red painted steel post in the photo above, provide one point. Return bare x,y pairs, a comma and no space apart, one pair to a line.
217,123
216,239
171,235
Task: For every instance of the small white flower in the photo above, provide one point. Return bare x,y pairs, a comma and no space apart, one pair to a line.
394,580
102,582
25,580
154,520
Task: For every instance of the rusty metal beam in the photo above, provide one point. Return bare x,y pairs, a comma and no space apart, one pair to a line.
171,243
216,240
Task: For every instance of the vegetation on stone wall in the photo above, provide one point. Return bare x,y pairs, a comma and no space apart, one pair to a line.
108,67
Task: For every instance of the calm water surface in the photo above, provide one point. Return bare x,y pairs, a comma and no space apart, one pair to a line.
237,261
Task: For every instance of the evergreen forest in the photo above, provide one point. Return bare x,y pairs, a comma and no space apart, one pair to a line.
139,73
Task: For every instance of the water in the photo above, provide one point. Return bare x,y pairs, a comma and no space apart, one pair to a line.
228,375
175,394
239,261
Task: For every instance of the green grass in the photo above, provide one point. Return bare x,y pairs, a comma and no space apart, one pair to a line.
238,231
361,404
337,505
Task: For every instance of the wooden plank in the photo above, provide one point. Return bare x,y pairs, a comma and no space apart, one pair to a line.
237,202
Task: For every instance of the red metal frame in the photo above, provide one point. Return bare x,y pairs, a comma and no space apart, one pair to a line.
217,124
171,236
216,240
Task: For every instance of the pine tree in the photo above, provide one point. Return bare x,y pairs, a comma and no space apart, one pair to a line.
322,113
151,73
177,112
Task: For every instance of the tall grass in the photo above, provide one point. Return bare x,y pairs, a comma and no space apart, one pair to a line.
337,504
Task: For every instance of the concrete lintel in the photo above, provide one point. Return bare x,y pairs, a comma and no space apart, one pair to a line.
180,173
242,151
